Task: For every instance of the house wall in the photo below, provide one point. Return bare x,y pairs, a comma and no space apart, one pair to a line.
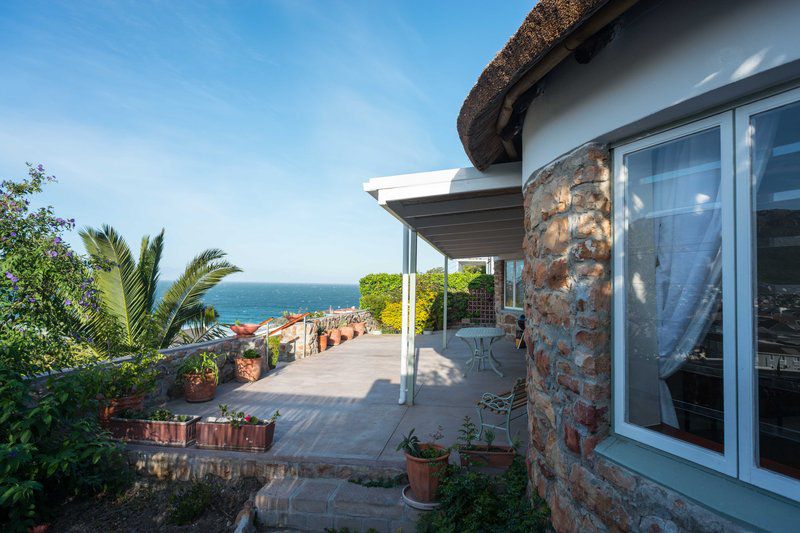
669,59
568,310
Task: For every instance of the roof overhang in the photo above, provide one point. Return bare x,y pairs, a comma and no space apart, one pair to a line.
461,212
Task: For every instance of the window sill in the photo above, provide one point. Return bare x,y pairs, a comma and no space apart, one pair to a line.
512,309
726,496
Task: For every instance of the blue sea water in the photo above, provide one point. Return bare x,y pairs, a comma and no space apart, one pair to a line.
255,301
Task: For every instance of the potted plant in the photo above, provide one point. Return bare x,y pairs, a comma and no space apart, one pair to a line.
157,427
322,335
424,464
199,374
274,346
244,330
124,385
234,430
360,328
346,330
248,366
335,337
479,454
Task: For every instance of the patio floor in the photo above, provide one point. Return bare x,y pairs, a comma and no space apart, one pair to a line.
343,403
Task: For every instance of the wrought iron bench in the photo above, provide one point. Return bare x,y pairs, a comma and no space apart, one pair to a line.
503,404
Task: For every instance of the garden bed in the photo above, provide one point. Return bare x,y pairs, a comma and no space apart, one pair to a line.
149,504
166,430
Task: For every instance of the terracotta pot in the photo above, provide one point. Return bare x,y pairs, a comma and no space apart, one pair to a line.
199,388
423,474
223,436
244,330
323,342
335,337
165,433
111,406
39,528
479,455
360,328
248,369
347,333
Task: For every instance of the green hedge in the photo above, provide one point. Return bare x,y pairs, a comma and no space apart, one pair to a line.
381,294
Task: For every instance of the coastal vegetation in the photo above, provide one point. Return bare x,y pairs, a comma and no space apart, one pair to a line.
381,294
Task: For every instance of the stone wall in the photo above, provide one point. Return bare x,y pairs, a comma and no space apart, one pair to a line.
292,338
505,319
568,310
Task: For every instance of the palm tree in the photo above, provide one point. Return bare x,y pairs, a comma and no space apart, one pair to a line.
129,315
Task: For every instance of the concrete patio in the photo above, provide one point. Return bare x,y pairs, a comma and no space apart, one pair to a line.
343,404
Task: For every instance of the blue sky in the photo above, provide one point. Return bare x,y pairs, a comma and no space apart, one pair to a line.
247,126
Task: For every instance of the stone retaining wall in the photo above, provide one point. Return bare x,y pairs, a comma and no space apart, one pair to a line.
296,345
568,309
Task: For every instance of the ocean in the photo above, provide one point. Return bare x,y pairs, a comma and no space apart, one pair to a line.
254,301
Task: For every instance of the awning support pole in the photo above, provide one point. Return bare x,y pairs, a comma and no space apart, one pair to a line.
412,319
404,324
444,307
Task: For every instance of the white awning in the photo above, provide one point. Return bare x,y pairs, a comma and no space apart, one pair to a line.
462,212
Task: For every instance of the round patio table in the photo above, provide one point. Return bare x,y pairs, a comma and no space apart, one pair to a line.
480,341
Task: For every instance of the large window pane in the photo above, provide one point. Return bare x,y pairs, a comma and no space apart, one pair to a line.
509,284
519,292
673,281
775,178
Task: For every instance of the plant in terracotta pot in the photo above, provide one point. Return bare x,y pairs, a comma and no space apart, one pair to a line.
248,366
487,454
322,335
335,337
159,426
360,328
235,430
244,330
123,386
199,374
346,330
425,462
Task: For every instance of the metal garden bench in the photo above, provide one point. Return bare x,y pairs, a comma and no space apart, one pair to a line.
503,404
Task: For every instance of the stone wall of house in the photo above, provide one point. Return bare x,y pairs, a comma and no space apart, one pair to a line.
568,310
505,319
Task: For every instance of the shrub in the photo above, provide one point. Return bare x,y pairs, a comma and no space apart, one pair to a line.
49,449
473,502
380,283
190,505
133,377
392,314
274,344
250,354
376,303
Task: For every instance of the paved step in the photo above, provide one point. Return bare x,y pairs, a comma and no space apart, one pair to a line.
313,504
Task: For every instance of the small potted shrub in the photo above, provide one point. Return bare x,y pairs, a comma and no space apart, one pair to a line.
424,464
244,330
360,328
199,374
335,337
274,346
235,430
346,330
124,385
322,335
482,454
156,427
248,366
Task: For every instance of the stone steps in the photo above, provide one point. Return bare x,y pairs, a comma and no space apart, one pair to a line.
314,504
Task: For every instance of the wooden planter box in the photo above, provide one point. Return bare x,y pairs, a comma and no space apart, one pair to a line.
112,406
478,455
165,433
223,436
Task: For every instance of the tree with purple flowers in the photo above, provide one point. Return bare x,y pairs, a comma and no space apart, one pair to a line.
46,289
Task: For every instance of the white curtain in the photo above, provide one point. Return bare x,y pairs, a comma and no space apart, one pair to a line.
688,229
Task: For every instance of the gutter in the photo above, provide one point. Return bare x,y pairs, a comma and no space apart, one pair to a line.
600,19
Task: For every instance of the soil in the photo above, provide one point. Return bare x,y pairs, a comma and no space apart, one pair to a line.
149,504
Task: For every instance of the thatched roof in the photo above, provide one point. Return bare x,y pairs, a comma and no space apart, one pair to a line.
550,33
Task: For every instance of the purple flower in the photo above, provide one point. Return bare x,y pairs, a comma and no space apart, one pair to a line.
12,277
32,300
69,254
57,240
52,253
40,168
13,233
67,302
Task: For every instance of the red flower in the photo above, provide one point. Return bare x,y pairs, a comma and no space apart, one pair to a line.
247,418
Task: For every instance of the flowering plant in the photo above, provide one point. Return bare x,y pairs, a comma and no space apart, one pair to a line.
46,289
238,419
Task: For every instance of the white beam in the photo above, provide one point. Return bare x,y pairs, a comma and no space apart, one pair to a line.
404,321
411,373
444,307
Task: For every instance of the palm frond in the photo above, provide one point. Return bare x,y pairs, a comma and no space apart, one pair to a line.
148,268
202,329
183,300
121,290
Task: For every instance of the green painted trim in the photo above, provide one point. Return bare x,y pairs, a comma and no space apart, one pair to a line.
731,498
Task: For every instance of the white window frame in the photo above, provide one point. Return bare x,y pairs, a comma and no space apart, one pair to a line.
513,285
749,471
723,462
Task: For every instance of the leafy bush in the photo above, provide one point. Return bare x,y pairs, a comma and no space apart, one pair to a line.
380,283
49,449
190,505
250,354
376,303
130,378
473,502
199,363
392,314
274,344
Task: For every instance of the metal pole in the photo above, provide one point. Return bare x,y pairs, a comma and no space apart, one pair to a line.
305,338
444,307
412,318
404,324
